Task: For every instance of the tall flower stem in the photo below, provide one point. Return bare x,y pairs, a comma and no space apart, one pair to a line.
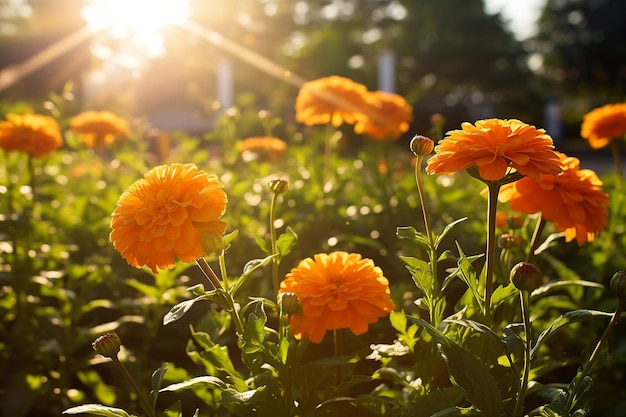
143,401
594,355
208,273
432,252
617,161
328,147
521,394
534,243
490,251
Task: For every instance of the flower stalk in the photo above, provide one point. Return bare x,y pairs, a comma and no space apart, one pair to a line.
521,394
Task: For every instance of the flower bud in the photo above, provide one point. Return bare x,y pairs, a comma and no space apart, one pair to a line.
515,222
526,276
422,145
618,285
107,345
278,186
509,241
291,303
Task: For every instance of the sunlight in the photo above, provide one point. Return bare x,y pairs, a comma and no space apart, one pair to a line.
138,22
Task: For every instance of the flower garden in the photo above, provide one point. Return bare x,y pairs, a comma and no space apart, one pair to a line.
474,272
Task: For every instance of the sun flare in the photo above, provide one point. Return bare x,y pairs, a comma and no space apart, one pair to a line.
140,22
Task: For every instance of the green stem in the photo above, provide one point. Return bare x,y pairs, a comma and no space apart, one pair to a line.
432,252
328,146
208,273
594,355
143,401
222,262
521,395
534,243
273,244
490,252
338,350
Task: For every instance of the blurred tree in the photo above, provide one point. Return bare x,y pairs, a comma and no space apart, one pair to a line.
582,42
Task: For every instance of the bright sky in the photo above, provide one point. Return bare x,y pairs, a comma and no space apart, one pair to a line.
522,14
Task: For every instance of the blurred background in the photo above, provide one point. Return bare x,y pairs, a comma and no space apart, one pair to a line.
546,62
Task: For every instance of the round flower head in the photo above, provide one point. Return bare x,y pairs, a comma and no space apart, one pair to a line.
572,200
389,116
331,99
35,134
338,290
604,124
173,212
495,146
98,128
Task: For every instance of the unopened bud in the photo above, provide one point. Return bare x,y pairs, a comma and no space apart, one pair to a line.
422,145
107,345
515,222
618,285
526,276
291,303
509,241
278,186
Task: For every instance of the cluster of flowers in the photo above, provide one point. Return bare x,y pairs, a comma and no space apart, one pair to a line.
38,135
174,211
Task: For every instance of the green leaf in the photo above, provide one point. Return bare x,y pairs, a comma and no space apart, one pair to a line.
157,379
181,308
286,242
467,372
206,381
423,277
408,232
563,320
263,244
248,269
97,410
550,286
446,230
468,275
502,294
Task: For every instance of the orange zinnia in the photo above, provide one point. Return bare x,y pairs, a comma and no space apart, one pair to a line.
495,146
389,116
98,128
604,124
172,212
331,99
266,147
572,200
338,290
33,133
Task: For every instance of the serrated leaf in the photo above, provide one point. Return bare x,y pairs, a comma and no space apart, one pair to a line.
408,232
206,381
468,275
97,410
181,308
502,294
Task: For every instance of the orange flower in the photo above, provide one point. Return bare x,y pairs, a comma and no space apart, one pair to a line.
331,99
495,146
389,116
98,128
172,212
604,124
338,290
33,133
265,147
572,200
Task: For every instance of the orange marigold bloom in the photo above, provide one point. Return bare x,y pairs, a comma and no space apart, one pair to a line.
331,99
33,133
388,116
495,146
338,290
572,200
98,128
172,212
604,124
264,147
